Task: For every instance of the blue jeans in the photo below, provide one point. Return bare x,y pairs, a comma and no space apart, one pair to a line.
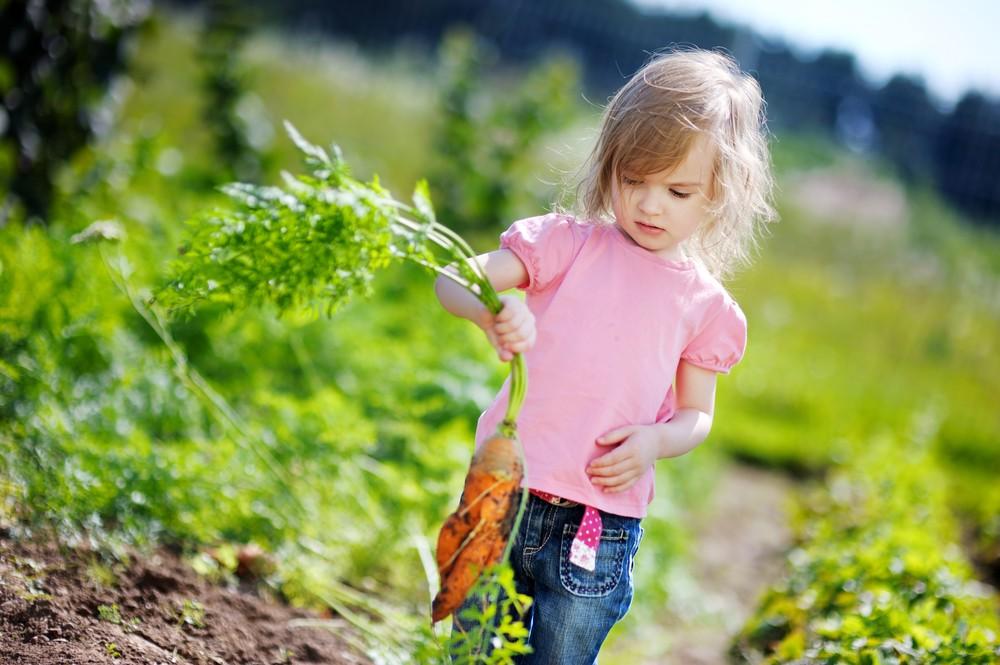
573,609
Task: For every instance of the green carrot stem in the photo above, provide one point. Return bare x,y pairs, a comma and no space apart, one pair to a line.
450,275
518,387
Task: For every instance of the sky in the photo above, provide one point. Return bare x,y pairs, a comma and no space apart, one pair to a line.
886,36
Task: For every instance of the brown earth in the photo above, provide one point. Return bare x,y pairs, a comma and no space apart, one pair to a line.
739,543
739,551
61,605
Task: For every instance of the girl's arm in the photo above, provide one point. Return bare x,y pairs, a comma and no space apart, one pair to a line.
513,329
692,422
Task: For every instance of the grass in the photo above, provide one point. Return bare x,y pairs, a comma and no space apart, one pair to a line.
853,333
863,330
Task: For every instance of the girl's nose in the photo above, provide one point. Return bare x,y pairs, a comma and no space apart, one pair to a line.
650,204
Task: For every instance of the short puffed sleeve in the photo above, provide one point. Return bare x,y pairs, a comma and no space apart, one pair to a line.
546,245
720,344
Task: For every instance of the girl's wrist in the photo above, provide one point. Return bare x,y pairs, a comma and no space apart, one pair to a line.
683,432
483,317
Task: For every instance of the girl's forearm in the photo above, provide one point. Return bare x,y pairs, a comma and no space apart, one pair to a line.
459,301
683,432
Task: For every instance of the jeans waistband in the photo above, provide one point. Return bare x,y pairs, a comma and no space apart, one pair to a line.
554,500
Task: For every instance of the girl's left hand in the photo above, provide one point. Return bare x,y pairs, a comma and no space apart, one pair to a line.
622,467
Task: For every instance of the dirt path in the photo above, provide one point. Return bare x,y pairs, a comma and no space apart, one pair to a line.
738,550
60,606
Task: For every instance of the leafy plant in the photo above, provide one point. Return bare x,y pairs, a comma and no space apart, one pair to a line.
191,613
486,139
498,632
59,61
223,84
109,613
879,576
317,241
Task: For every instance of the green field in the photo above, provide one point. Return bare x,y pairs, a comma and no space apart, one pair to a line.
250,427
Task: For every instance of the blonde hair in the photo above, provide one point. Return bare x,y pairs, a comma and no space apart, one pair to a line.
650,125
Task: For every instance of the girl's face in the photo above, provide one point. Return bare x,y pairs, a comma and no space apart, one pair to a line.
659,211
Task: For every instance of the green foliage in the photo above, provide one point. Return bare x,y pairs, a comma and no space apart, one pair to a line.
318,240
106,432
290,248
486,139
361,426
224,86
497,632
867,328
109,613
54,70
878,576
191,613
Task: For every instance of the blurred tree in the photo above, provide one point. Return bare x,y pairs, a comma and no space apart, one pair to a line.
967,157
484,140
57,61
907,123
834,77
227,23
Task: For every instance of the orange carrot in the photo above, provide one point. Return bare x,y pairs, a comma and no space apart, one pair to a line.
475,535
470,561
453,533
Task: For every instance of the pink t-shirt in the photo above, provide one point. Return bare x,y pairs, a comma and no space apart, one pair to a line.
613,321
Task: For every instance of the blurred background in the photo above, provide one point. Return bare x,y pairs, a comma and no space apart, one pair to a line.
852,469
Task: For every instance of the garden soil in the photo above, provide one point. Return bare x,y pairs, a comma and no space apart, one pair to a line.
51,600
739,543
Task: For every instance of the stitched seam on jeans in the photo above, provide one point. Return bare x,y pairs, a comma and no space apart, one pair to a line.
528,553
548,508
593,590
635,552
527,518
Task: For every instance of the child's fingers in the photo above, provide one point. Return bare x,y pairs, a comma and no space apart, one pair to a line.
511,323
609,459
609,471
519,346
505,329
520,330
513,337
498,345
615,483
621,488
609,483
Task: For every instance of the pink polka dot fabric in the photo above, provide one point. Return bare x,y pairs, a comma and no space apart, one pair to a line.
583,551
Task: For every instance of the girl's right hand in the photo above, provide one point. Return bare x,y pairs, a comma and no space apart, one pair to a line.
512,330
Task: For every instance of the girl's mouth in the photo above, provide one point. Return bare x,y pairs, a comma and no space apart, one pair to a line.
652,230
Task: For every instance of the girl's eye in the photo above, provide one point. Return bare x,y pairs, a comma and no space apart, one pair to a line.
680,195
629,181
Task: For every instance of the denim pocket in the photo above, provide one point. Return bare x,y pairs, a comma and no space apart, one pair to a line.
611,556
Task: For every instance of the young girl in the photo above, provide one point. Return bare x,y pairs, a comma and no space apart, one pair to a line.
623,329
